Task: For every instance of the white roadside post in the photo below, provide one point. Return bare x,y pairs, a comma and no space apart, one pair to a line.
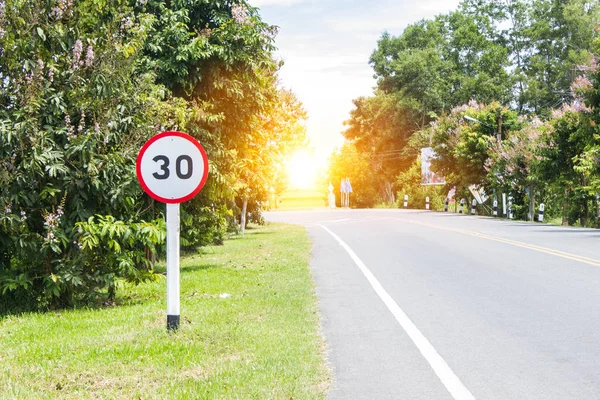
427,203
331,196
495,208
504,211
542,209
473,206
172,167
173,229
405,201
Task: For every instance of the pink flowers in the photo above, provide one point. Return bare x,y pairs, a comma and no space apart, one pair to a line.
81,122
239,13
89,56
581,84
592,66
51,222
459,109
70,128
2,18
575,107
63,9
77,50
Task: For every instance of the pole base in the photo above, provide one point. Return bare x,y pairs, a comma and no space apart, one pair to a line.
172,322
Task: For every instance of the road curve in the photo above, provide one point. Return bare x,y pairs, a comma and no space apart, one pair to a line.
509,310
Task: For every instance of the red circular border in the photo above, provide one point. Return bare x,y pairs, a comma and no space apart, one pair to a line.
138,167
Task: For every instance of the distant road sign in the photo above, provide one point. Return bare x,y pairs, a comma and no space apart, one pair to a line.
172,167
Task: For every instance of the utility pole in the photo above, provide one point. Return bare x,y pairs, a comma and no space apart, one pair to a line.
499,119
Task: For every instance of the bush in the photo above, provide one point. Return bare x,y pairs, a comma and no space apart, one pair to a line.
409,183
74,112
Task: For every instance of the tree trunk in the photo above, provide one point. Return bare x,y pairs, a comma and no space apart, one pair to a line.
388,194
531,203
586,213
150,256
565,220
598,206
243,216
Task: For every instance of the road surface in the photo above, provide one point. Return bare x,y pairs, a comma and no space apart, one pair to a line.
423,305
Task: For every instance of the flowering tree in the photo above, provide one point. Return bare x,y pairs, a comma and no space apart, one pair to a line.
464,141
571,161
74,111
82,86
218,56
516,161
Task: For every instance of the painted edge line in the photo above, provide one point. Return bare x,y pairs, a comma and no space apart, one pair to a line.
448,378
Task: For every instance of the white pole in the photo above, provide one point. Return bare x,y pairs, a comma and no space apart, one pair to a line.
172,266
504,205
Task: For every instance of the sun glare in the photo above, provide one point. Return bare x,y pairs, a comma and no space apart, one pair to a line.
302,171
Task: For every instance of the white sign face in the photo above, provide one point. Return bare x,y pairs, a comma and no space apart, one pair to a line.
172,167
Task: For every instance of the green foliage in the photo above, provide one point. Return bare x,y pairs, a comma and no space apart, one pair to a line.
112,249
74,111
463,146
203,226
349,163
380,128
517,57
441,63
409,183
83,86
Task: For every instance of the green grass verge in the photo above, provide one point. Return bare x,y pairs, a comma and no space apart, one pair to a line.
262,342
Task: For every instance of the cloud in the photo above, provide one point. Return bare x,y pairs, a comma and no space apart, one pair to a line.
326,46
393,17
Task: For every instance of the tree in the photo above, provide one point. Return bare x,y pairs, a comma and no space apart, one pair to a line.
74,111
517,161
380,127
442,63
219,58
349,163
560,35
83,86
463,141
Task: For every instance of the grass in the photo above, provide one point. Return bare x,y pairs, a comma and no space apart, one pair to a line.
262,342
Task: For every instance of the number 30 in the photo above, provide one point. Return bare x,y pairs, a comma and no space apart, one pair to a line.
165,167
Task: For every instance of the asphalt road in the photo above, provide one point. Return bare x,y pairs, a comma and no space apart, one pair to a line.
422,305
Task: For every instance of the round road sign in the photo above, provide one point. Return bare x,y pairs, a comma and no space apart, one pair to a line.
172,167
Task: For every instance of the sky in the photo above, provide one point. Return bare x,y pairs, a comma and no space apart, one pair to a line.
326,45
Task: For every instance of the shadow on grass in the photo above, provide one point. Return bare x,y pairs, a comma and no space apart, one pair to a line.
261,232
197,267
101,302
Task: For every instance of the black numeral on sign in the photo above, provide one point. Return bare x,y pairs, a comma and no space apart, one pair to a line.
165,167
190,167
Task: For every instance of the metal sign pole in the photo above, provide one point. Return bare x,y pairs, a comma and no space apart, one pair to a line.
173,309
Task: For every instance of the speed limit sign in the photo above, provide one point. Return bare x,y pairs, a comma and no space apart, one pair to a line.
172,167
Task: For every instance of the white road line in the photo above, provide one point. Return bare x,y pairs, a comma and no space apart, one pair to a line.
454,385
